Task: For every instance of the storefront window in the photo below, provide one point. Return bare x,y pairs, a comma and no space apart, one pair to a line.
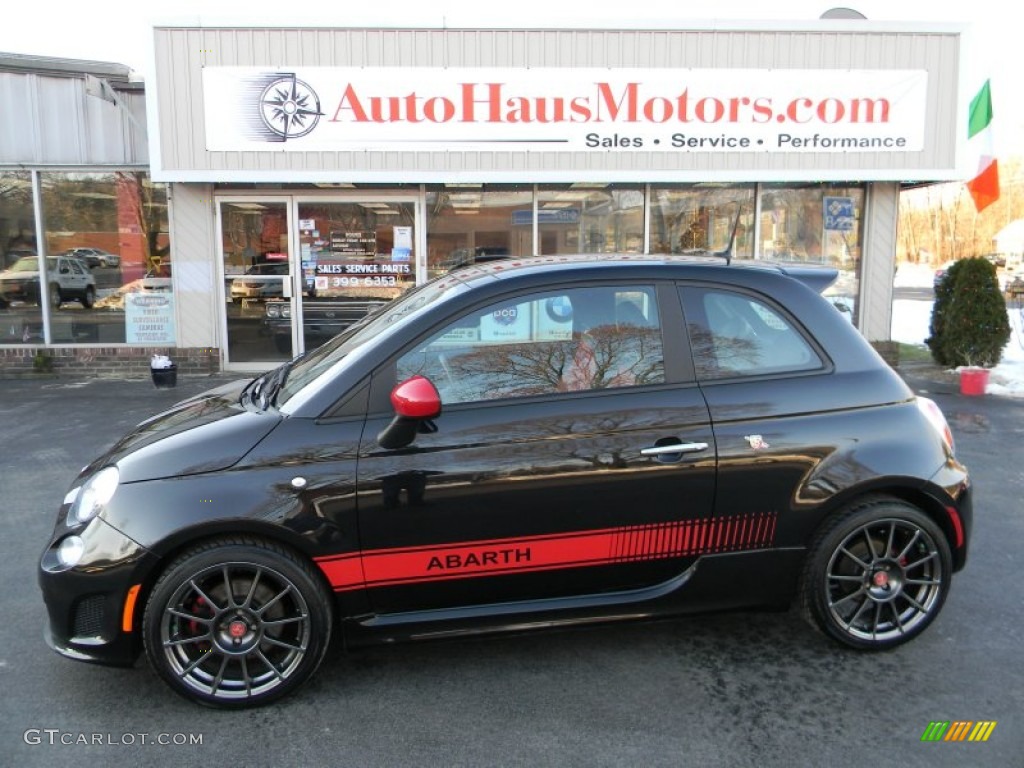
703,218
590,218
257,270
21,319
355,256
817,224
476,222
108,259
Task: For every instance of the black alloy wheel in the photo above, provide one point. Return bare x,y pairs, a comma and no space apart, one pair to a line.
877,576
55,298
89,297
237,623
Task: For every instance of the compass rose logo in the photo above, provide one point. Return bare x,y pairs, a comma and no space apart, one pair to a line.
289,107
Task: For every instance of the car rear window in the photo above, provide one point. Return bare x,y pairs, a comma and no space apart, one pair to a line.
735,334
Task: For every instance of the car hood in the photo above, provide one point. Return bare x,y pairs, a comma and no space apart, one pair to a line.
9,274
206,433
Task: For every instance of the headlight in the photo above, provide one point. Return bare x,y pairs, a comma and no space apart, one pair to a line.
286,311
96,492
273,311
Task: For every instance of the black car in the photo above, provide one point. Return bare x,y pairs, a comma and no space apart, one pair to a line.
322,318
520,444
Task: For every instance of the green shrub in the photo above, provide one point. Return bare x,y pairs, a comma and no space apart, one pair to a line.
969,322
42,363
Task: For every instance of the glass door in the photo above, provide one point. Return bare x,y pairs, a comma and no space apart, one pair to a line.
256,259
354,256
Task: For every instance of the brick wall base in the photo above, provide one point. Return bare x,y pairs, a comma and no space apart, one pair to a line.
103,362
889,350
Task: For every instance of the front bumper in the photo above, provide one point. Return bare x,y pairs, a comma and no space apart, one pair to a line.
28,292
86,604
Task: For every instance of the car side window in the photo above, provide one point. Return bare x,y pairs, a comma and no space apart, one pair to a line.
734,334
573,340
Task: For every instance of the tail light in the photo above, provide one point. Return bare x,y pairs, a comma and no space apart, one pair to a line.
937,420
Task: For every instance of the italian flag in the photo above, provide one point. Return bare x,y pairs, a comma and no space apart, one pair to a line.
984,187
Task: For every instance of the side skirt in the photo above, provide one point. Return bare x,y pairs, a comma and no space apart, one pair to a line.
766,578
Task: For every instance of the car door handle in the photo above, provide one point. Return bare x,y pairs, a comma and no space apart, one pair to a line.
660,450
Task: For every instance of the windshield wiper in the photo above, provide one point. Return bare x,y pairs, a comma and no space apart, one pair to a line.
250,390
271,384
258,389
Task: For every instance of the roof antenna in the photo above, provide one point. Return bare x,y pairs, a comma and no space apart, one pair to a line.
726,253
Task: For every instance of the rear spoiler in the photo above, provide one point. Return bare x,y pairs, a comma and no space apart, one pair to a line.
816,278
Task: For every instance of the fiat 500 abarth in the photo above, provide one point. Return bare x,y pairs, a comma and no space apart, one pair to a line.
542,442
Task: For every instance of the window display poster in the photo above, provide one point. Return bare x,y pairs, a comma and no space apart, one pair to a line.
403,244
149,318
507,324
839,214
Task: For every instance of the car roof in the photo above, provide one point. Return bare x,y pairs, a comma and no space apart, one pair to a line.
817,277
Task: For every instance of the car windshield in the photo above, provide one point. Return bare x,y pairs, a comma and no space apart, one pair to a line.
308,367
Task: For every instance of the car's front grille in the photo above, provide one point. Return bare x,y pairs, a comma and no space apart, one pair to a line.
89,616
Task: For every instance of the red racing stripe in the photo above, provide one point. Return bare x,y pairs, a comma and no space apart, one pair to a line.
436,562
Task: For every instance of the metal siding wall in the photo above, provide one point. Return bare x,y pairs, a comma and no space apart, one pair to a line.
879,260
19,127
62,130
52,121
194,265
181,54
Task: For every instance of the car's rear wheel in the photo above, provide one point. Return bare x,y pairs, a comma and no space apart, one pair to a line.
237,623
54,294
89,298
877,575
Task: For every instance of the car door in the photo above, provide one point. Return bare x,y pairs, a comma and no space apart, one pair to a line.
778,411
73,277
573,456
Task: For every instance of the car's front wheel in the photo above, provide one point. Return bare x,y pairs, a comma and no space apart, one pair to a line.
877,575
237,623
89,298
54,294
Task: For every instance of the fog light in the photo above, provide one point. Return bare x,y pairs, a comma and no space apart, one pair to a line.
70,551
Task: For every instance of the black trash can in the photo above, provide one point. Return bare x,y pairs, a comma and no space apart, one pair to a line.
165,378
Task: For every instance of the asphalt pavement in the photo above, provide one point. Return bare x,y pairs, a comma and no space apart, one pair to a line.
735,689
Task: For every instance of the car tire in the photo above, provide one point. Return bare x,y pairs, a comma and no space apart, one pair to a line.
876,575
246,648
89,297
54,296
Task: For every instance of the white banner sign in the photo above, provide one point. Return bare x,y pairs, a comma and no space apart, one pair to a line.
149,317
564,110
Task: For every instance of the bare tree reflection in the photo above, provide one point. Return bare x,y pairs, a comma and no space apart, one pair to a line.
605,356
719,355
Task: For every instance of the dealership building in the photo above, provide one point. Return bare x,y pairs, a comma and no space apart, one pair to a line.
267,185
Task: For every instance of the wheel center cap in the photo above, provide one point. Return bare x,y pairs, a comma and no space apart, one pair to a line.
881,579
238,628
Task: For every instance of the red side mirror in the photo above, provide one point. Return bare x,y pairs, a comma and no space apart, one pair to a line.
416,398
